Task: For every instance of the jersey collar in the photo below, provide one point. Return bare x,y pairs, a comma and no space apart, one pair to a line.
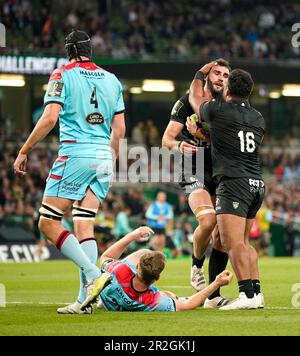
242,102
137,291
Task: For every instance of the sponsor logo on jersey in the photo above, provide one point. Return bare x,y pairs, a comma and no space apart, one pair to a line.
122,296
94,74
256,183
55,89
95,118
235,204
195,183
176,108
56,76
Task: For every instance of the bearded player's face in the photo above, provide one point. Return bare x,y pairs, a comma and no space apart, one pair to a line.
218,79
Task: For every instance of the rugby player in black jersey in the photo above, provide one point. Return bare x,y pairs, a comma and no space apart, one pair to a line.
236,131
199,185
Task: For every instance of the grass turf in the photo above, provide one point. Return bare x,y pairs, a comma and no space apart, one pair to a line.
34,291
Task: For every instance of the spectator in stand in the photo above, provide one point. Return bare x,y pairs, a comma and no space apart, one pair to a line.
159,215
146,29
153,136
182,208
290,233
138,134
122,226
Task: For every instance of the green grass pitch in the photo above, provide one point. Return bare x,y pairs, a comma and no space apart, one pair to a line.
34,291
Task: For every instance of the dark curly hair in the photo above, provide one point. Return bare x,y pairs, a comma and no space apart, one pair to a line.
240,83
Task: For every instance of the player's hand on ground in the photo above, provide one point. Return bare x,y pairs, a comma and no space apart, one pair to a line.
224,278
207,67
20,164
141,234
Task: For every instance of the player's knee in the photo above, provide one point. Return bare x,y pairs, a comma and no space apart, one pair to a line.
235,246
43,226
83,228
207,223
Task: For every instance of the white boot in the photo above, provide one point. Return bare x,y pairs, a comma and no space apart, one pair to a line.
74,309
260,300
197,278
242,302
215,303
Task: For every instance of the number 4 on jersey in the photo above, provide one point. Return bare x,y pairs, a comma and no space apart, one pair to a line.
94,100
250,143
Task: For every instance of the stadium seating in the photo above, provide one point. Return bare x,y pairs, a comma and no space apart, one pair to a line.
151,29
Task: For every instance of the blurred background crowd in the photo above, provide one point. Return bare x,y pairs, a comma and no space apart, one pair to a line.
153,29
126,207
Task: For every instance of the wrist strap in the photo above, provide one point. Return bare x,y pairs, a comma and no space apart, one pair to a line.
178,145
199,75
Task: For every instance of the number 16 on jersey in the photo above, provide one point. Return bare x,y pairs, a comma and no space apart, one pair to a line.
247,141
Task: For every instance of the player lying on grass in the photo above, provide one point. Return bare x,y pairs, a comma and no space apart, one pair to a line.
131,287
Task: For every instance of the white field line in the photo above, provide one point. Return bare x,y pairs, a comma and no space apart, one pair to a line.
63,303
38,303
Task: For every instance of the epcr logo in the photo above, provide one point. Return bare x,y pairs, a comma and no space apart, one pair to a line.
2,296
296,37
2,35
296,296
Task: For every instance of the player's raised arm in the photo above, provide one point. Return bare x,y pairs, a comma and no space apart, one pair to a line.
141,234
196,95
45,124
198,299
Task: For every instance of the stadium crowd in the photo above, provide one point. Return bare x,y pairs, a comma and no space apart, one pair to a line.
152,28
124,209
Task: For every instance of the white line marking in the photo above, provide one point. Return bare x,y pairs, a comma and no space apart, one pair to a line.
63,303
281,308
39,303
178,287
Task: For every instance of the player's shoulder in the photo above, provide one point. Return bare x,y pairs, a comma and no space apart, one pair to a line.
256,112
181,106
185,99
85,65
123,270
57,74
258,116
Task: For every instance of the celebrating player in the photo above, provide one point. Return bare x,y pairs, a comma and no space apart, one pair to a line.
236,131
199,186
88,102
131,287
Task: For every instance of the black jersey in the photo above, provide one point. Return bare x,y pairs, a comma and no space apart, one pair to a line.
236,130
181,110
193,176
